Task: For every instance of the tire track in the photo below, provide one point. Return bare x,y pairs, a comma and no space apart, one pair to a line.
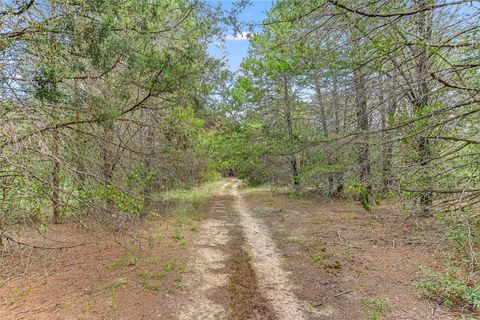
273,280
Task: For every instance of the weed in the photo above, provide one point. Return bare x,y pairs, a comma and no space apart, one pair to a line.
128,259
160,273
178,282
378,308
317,257
182,244
450,288
158,236
194,227
296,240
177,235
171,266
20,295
149,287
232,213
116,283
157,275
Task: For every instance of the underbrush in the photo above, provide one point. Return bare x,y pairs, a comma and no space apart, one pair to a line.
188,205
457,286
377,308
452,288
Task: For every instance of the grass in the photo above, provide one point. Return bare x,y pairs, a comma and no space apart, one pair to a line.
189,208
178,282
117,283
20,294
156,275
232,213
150,279
195,197
450,288
317,257
296,240
149,286
378,308
128,259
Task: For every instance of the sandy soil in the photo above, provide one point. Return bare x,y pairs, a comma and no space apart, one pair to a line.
274,281
341,257
254,255
208,268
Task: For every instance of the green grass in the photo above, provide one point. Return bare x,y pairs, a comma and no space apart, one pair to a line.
196,197
156,275
117,283
149,286
317,257
378,308
189,208
450,287
162,271
128,259
296,240
150,279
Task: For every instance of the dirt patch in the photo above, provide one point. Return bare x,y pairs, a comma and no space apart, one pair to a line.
247,301
96,281
273,280
252,256
349,263
206,294
208,275
222,283
135,274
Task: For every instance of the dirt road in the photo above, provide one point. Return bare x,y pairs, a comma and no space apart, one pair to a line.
210,271
242,254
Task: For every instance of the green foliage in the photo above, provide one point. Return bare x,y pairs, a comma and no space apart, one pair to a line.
462,235
363,192
149,286
126,260
123,201
450,287
378,307
317,257
211,175
234,151
46,84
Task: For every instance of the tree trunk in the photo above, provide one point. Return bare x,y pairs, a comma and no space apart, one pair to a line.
107,165
364,165
56,179
389,107
323,118
148,188
81,150
336,107
289,120
2,208
423,25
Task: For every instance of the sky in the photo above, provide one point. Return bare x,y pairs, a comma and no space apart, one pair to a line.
236,48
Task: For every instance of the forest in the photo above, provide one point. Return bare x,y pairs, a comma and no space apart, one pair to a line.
334,175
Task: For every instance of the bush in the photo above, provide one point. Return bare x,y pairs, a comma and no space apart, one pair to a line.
450,288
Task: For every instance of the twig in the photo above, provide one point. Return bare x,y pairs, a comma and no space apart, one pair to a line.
342,293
